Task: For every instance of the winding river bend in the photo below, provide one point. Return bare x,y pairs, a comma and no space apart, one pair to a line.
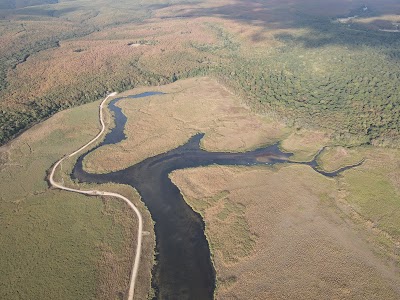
184,269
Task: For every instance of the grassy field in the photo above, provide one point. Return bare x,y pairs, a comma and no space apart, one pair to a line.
294,75
334,238
59,245
278,234
59,55
318,236
373,190
159,123
334,158
305,144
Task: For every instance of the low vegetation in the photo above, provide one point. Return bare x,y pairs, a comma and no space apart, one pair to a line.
305,144
273,214
298,246
297,64
313,81
57,244
334,158
373,190
160,123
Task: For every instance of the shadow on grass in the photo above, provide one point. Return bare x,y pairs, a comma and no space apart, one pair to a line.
312,15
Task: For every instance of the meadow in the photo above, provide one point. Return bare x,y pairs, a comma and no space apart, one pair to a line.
160,123
287,58
275,71
334,237
278,234
60,245
67,246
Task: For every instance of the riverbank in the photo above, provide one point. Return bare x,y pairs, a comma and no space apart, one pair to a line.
161,123
245,239
63,243
247,211
279,233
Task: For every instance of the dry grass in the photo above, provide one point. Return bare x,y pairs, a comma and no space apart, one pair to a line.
160,123
273,234
170,38
334,158
298,245
305,143
57,244
286,219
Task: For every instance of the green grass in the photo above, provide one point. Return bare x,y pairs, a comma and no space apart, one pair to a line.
331,162
375,198
50,246
303,155
233,238
230,208
53,242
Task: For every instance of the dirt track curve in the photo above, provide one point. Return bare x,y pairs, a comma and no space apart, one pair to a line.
135,266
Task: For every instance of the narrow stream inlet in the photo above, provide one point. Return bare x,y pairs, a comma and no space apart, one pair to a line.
184,269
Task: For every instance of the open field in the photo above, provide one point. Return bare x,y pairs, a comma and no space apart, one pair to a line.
277,234
284,217
57,244
320,236
305,144
373,190
160,123
370,194
268,52
276,71
35,218
334,158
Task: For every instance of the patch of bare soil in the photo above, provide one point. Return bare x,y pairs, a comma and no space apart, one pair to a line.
297,244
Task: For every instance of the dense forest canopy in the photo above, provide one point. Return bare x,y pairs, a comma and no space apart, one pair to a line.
327,64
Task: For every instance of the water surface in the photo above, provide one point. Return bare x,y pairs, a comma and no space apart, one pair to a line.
184,269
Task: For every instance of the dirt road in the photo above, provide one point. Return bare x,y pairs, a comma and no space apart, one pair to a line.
135,266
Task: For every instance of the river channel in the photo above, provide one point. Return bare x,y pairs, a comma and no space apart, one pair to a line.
184,269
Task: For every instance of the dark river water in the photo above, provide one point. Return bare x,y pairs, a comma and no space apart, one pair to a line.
184,269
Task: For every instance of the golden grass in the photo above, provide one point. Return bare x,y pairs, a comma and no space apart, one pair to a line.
273,234
305,144
288,219
334,158
159,123
299,247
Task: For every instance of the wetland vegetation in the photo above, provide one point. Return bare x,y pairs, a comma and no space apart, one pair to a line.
307,70
184,269
277,71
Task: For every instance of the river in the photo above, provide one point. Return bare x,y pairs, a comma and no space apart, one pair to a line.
184,269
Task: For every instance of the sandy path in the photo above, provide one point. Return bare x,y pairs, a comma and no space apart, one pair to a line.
135,266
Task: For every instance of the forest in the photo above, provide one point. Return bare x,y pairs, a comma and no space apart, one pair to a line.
313,76
352,91
313,72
